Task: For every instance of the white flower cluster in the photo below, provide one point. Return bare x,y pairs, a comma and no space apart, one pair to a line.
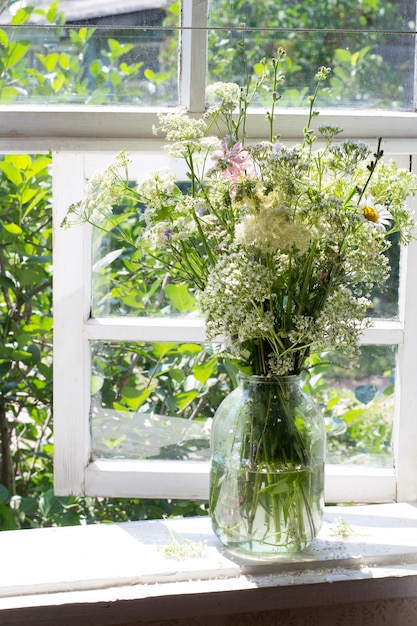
340,322
233,300
105,189
270,228
178,126
155,187
226,94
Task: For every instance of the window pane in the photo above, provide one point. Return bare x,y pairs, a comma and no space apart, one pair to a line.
369,46
129,58
385,300
358,405
130,280
154,400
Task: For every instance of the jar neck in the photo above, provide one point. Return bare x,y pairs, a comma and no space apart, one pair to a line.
290,379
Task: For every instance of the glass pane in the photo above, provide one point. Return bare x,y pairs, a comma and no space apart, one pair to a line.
358,405
385,300
89,56
131,280
153,401
369,46
156,401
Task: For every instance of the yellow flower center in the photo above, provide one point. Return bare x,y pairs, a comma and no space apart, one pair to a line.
370,214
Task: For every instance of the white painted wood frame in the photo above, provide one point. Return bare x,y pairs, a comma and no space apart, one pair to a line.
74,330
83,138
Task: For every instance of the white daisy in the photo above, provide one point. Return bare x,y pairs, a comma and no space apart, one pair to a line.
374,215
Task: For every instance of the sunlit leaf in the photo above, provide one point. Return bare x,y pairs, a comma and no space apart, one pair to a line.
203,371
189,348
13,229
16,52
4,40
12,173
96,384
135,397
183,399
180,297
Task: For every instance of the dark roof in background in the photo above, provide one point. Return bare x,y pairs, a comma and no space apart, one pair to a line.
87,9
77,11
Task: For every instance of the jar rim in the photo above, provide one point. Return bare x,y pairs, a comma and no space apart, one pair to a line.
256,378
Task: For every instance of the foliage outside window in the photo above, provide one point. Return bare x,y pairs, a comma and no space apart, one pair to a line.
369,45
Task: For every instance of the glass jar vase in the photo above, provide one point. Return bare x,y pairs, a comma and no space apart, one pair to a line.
267,468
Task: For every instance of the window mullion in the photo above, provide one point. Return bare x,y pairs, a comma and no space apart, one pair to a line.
405,427
71,303
193,54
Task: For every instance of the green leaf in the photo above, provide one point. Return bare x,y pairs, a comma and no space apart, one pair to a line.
49,504
107,260
134,398
36,167
160,349
388,391
259,69
64,60
49,61
281,486
203,371
21,355
176,374
4,493
183,399
130,69
343,56
7,520
180,297
4,40
113,443
13,229
42,193
11,172
28,194
351,415
20,161
7,282
16,52
96,68
149,74
8,93
117,49
34,351
189,348
28,505
96,384
58,82
22,15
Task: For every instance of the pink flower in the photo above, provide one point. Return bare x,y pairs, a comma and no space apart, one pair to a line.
234,163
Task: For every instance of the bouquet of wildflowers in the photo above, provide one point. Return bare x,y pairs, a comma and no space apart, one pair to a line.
283,245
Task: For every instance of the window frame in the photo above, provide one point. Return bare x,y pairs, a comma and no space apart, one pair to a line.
76,135
74,329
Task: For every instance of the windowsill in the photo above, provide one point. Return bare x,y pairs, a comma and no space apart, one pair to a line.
110,573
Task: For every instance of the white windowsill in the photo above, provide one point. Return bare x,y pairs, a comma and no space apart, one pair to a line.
106,574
